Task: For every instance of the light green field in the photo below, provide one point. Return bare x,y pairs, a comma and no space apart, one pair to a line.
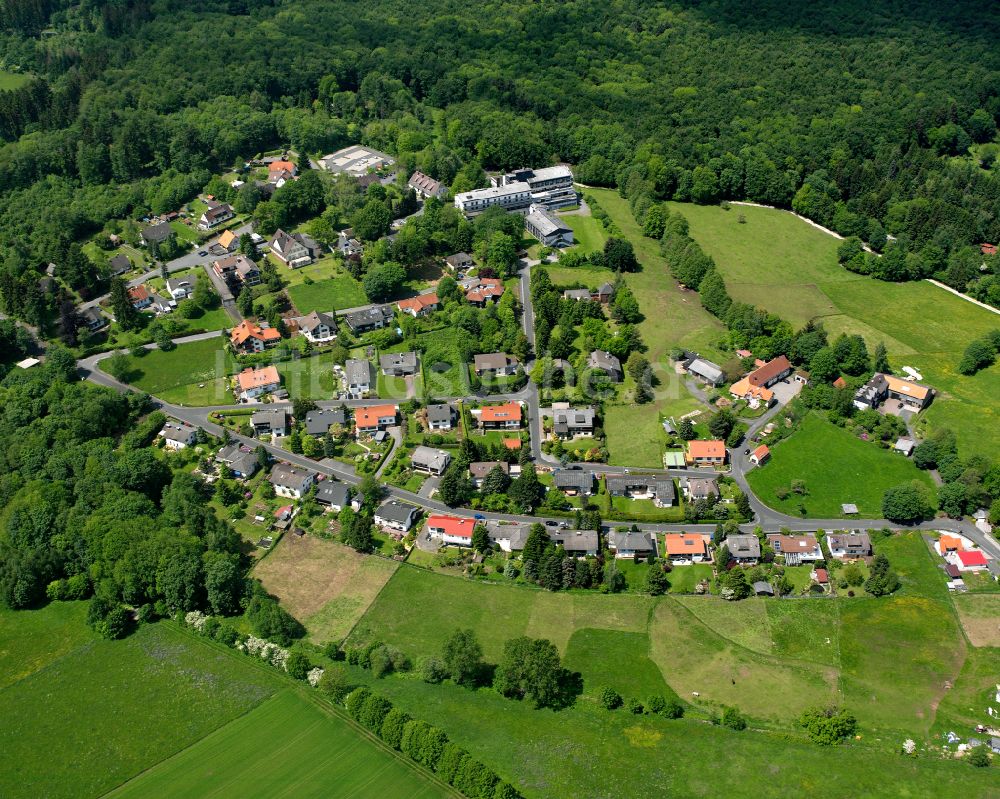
32,639
787,266
634,433
296,748
588,234
616,659
335,293
309,378
89,718
849,470
12,80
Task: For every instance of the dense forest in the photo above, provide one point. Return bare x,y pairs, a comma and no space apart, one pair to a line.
876,119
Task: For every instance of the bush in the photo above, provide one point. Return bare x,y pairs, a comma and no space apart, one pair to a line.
673,710
634,706
611,699
334,683
356,700
828,726
655,704
297,665
373,711
979,757
732,718
432,670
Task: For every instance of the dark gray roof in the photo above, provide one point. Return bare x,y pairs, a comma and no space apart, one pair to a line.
493,360
272,416
435,459
318,422
120,263
459,258
358,371
703,486
575,540
573,478
158,232
440,413
599,359
393,510
760,587
399,361
743,546
315,319
572,418
706,369
856,541
634,541
284,474
333,493
369,316
662,487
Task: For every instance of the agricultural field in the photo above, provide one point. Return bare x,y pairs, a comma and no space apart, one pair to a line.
980,617
787,266
298,748
850,470
112,708
335,293
325,585
190,374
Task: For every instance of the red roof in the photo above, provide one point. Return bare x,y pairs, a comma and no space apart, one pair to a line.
418,303
452,525
368,417
761,452
512,443
138,293
769,371
971,557
278,166
706,450
839,382
822,576
988,249
685,544
510,411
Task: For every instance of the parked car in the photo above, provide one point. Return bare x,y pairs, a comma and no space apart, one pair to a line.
202,252
479,517
551,523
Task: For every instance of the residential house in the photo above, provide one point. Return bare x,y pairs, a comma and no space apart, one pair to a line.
484,292
577,543
426,187
659,489
281,170
228,241
744,549
607,363
948,544
318,422
318,328
290,249
358,376
421,305
499,364
334,495
374,318
509,536
683,549
547,227
760,455
604,293
215,214
849,546
397,516
140,297
577,294
796,549
92,319
479,470
289,481
451,529
178,435
249,337
968,560
574,482
120,264
632,545
348,246
399,364
754,396
910,396
702,488
706,371
572,422
706,453
370,420
270,421
440,417
240,460
460,262
156,234
499,417
179,288
432,461
237,269
252,383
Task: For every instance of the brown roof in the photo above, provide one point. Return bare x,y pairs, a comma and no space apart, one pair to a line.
805,542
480,469
769,371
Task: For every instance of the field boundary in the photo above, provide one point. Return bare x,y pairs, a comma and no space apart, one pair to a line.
310,696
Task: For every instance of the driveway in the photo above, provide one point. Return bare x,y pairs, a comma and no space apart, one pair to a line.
786,390
430,485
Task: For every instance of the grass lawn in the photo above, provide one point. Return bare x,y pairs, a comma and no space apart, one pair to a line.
325,585
12,80
186,233
113,709
334,293
297,747
308,378
789,267
391,387
683,579
587,232
850,470
190,374
442,370
589,275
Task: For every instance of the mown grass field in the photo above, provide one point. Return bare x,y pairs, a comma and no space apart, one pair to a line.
588,235
12,80
288,746
787,266
335,293
87,718
325,585
837,467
